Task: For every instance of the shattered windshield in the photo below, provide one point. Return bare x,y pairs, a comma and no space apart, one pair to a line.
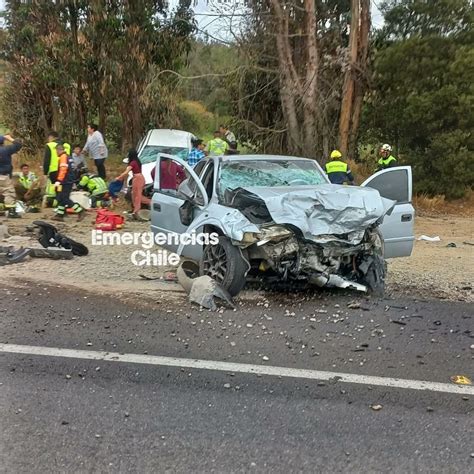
149,154
268,173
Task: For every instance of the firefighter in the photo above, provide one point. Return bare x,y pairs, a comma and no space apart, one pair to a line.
387,160
97,188
337,170
63,184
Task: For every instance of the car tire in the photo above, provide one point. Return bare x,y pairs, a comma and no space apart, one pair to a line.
375,277
225,263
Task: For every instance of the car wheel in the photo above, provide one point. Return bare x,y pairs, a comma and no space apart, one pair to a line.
224,263
375,276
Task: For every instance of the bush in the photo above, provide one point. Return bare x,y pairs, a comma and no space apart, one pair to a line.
195,118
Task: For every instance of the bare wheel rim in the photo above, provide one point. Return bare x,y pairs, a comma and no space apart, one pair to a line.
215,262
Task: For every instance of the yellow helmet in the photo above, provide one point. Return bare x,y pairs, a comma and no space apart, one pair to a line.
335,154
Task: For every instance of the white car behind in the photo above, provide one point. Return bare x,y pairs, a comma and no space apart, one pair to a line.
164,140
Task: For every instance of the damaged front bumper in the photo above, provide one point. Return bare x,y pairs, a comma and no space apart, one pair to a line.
335,261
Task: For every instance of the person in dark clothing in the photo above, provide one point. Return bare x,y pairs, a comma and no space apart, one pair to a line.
7,190
337,170
63,184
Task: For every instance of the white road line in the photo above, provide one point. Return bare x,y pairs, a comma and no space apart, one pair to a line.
237,367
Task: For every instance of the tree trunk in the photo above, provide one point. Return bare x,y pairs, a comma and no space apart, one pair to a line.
349,79
360,87
289,79
81,114
310,96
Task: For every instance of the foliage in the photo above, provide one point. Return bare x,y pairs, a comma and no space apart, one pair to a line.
209,64
195,118
74,61
289,91
423,93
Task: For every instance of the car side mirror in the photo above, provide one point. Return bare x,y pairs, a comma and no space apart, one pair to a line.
185,192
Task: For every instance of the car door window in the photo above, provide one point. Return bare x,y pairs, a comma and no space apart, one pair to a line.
171,175
199,166
207,179
392,184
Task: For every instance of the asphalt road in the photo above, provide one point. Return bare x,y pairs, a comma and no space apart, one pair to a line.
75,415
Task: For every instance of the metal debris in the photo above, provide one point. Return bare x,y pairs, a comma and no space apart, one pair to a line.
203,290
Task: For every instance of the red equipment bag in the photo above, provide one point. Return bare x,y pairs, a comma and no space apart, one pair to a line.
107,220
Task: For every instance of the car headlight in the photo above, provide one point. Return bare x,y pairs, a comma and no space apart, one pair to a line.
250,237
275,233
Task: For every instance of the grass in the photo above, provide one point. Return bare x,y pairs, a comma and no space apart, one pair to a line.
438,205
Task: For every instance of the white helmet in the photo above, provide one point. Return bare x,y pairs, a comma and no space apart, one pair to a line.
386,147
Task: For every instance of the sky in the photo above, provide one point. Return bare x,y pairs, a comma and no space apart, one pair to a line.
208,15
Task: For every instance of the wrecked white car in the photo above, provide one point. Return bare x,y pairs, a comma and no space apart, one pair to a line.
279,219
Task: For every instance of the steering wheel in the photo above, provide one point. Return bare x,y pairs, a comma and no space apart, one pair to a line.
298,181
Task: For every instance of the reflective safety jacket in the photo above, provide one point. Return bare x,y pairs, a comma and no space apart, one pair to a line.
27,181
65,172
388,162
338,172
51,160
217,147
50,190
94,184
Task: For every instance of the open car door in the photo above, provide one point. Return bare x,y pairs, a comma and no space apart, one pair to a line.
166,202
397,228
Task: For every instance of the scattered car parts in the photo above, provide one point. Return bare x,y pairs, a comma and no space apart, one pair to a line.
202,290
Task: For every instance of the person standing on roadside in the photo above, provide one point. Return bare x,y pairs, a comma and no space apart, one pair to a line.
51,158
229,137
138,184
7,190
338,171
63,185
197,152
217,146
387,160
96,148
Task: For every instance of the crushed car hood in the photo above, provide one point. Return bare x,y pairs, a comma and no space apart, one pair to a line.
322,211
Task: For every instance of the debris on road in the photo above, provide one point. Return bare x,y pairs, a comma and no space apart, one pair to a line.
401,323
9,256
451,245
49,236
202,290
429,239
353,305
461,380
148,278
376,407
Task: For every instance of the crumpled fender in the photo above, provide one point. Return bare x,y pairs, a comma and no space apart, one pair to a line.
233,223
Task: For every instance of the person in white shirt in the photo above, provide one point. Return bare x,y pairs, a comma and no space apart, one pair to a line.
96,148
229,137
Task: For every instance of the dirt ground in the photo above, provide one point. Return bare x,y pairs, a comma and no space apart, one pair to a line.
434,269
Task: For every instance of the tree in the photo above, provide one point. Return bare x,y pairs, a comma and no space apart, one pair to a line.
78,60
424,92
305,47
